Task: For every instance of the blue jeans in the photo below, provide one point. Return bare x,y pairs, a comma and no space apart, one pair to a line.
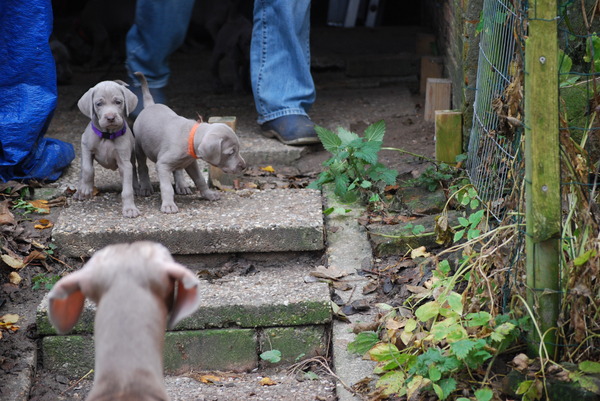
279,60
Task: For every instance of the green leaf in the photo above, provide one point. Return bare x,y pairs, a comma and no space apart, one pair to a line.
458,235
384,352
478,319
439,391
366,184
475,218
462,348
434,373
328,211
484,394
455,302
363,342
444,266
418,229
473,233
375,132
310,375
374,198
589,384
331,142
272,356
346,136
427,311
583,258
410,325
341,184
448,386
589,367
462,221
393,383
368,152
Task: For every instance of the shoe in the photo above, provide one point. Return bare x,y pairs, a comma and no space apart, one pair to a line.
157,94
291,130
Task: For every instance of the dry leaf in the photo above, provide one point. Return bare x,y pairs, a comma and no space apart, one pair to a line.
41,205
521,362
8,322
14,278
13,262
265,381
34,255
392,324
419,252
416,289
43,224
331,273
268,169
6,216
208,379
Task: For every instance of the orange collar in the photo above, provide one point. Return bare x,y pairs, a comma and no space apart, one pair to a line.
191,150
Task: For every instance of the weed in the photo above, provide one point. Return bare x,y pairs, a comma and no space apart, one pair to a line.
41,280
353,168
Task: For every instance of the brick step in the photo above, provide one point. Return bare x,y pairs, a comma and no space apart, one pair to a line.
241,221
239,318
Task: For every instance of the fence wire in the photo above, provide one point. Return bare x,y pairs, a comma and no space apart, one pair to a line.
492,148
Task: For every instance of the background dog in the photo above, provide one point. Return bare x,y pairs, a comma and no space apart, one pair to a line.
108,140
174,143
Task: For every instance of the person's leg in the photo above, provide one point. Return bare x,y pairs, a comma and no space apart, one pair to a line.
158,30
282,84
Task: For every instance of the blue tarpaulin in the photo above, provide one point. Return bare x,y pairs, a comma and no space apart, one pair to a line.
28,94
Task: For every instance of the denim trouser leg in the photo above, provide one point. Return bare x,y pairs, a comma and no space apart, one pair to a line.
159,29
280,58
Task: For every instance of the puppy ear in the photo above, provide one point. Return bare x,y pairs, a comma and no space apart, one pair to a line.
187,297
131,99
209,149
85,103
65,301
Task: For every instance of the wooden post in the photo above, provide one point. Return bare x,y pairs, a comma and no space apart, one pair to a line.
216,176
542,171
437,96
448,135
431,67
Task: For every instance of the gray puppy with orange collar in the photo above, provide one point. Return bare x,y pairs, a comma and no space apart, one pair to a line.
108,140
175,143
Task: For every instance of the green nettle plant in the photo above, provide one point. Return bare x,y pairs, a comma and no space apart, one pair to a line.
354,168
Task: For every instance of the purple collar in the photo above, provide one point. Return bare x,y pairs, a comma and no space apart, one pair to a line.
110,135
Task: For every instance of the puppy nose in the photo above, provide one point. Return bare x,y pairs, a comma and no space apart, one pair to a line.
110,117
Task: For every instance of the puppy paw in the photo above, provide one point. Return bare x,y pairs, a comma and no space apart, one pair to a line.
169,208
183,190
144,191
211,195
82,195
131,212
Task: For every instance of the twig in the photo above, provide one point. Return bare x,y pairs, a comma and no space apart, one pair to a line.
77,382
323,362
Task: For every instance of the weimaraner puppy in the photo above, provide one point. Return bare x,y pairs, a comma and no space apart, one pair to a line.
108,140
174,143
139,290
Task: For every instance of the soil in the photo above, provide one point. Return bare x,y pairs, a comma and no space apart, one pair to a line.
352,103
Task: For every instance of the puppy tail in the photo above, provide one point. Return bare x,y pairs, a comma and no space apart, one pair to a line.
147,96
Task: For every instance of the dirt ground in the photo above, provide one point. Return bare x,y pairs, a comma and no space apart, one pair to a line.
352,103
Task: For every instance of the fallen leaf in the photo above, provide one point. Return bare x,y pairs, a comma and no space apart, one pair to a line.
521,362
419,252
34,255
6,216
9,318
331,272
341,285
268,169
14,278
392,324
43,224
41,205
13,262
265,381
209,379
416,289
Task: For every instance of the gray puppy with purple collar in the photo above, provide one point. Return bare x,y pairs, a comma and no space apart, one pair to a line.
108,140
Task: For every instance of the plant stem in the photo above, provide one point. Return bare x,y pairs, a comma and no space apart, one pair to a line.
412,154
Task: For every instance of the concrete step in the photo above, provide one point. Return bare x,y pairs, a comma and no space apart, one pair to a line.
241,221
240,317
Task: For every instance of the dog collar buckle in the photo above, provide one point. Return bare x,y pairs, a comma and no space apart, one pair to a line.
110,135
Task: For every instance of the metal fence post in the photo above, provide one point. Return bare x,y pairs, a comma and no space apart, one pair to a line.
542,169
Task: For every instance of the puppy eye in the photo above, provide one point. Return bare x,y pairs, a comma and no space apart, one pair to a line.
118,102
99,103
